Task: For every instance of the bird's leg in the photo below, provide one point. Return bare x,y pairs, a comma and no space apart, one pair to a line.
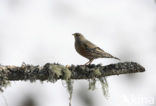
89,62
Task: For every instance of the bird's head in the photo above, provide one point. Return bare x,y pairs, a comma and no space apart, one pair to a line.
78,36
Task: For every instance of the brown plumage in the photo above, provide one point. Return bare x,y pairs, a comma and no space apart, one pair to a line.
89,50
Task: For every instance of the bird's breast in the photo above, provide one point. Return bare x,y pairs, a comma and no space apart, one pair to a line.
80,48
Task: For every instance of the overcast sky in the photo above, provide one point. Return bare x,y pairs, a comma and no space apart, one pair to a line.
40,31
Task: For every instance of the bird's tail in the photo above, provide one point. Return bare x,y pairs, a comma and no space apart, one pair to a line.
115,58
107,55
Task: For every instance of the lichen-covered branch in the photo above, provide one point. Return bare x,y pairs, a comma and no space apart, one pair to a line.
53,72
57,71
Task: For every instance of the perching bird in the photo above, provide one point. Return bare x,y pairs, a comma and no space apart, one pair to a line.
89,50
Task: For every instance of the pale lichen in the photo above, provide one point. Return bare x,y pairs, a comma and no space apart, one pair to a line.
53,72
70,89
97,72
57,71
104,85
92,84
4,82
67,73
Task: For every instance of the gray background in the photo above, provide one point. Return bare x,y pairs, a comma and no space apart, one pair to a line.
40,31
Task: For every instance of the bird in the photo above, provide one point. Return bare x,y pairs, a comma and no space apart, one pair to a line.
89,50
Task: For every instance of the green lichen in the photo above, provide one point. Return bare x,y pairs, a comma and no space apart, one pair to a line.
55,71
67,73
58,71
4,82
92,83
104,85
97,72
70,89
32,72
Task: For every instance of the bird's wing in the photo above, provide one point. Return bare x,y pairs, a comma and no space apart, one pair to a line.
95,49
99,49
89,44
92,47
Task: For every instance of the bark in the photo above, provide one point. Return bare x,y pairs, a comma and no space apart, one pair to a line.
58,71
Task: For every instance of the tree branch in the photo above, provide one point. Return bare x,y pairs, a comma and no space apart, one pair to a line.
57,71
53,72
